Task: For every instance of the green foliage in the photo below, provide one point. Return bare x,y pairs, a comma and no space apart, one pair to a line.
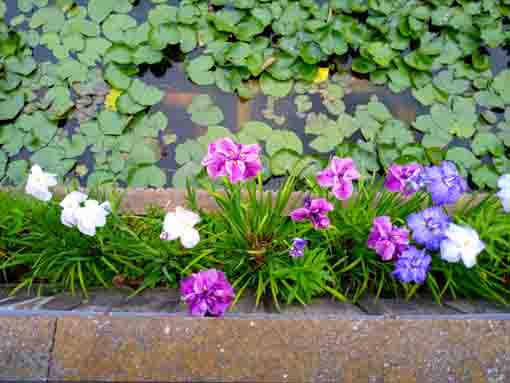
251,233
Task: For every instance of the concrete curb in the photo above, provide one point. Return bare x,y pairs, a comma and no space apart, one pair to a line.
151,339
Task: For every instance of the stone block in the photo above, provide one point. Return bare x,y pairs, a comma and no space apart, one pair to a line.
25,346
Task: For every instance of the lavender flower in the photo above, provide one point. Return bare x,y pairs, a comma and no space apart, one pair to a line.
387,240
412,266
339,176
227,158
504,191
444,183
428,227
207,292
315,211
298,247
404,179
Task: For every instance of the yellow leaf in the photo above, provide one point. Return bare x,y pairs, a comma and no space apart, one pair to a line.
321,76
111,99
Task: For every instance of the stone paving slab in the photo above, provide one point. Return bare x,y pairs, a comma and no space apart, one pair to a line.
229,349
25,347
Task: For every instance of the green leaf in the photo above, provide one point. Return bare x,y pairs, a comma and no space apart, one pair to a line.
257,130
144,94
501,84
120,54
445,82
10,107
462,157
126,104
116,77
283,162
21,65
147,176
111,123
186,173
311,53
381,53
283,139
204,112
486,142
50,18
363,65
17,171
275,88
147,54
199,70
162,14
485,176
114,27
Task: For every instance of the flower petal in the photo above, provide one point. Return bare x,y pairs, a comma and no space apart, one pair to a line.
190,238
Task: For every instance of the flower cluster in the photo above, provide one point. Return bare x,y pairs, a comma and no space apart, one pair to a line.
180,225
405,179
39,183
77,210
210,293
207,293
298,247
315,211
339,176
387,240
431,227
85,214
236,161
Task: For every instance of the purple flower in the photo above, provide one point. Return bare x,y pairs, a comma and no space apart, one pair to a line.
207,292
298,247
315,211
404,179
429,227
444,183
387,240
412,266
227,158
339,176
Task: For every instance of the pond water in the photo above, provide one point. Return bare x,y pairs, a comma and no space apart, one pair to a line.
308,112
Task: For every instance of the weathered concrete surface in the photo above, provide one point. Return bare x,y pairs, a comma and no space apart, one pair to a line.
25,346
449,350
229,349
111,337
360,349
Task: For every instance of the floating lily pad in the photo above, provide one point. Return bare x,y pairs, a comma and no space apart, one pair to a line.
144,94
275,88
147,176
204,112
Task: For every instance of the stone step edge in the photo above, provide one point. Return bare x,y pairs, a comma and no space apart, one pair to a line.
92,347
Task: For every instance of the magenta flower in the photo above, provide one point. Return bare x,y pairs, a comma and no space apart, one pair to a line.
339,176
315,211
207,292
227,158
387,240
405,179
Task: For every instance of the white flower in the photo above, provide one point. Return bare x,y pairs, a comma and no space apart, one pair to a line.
71,204
91,216
39,182
180,225
504,192
462,242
